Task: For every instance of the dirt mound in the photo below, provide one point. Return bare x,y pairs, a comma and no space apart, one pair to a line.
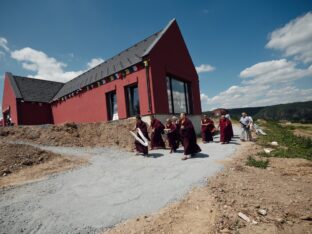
115,133
20,163
15,157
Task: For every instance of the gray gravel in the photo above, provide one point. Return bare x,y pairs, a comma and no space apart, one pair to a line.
115,187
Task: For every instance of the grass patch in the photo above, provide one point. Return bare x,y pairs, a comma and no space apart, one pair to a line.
290,145
252,162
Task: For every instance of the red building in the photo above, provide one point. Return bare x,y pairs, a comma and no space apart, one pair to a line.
154,76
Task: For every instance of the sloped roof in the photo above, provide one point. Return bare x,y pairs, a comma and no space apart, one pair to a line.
34,90
38,90
121,61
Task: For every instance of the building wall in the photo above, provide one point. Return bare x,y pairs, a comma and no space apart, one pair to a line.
90,106
170,56
9,100
33,113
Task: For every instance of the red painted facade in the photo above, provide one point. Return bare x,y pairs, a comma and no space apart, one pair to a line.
169,56
22,112
9,101
90,106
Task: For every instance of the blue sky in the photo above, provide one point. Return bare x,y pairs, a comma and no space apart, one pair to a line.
248,53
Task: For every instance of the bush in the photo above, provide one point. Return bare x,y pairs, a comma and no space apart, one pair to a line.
257,163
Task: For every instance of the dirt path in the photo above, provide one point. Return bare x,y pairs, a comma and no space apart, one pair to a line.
282,191
115,186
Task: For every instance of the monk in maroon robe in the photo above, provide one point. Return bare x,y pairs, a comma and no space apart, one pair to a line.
143,127
207,126
156,136
188,134
225,130
172,135
176,121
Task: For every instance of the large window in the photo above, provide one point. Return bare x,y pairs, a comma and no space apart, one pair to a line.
178,96
132,97
112,108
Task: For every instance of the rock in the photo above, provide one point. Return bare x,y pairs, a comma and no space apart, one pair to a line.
262,212
254,222
6,171
244,217
225,230
274,143
290,223
306,217
280,220
267,150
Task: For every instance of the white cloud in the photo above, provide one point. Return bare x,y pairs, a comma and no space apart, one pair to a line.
265,83
94,62
251,96
274,71
46,67
4,44
273,82
205,68
204,98
294,39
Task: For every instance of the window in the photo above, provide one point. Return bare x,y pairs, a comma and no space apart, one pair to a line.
178,96
132,98
112,108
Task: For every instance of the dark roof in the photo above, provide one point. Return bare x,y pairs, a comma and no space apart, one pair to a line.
121,61
34,90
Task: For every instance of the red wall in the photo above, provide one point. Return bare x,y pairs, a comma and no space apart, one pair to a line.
9,100
170,55
32,113
90,106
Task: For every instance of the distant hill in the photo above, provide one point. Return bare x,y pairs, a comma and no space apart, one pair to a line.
294,112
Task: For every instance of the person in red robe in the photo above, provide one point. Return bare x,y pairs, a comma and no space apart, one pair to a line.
172,135
225,130
176,121
207,126
231,127
143,127
156,136
188,134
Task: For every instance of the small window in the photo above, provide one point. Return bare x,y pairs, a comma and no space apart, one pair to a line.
132,98
178,96
112,108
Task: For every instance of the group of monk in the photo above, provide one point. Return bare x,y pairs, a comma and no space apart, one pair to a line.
180,131
208,129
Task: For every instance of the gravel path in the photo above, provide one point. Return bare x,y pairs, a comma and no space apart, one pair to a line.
116,186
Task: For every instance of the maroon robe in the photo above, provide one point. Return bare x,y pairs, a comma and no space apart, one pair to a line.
231,130
189,137
139,147
179,137
156,136
173,136
225,130
206,130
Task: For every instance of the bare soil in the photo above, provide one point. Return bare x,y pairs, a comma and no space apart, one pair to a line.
114,133
283,190
24,163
